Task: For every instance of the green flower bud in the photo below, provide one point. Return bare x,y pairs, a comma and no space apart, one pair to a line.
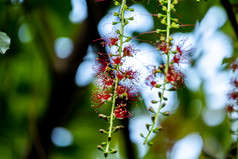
113,151
164,8
163,21
154,101
115,14
148,126
142,135
100,148
151,109
160,15
167,113
150,143
116,3
153,118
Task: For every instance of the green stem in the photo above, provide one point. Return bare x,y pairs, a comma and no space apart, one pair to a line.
112,117
165,73
157,114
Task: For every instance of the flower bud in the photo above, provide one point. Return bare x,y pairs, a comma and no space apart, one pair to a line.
160,15
115,23
165,98
162,38
118,128
100,148
161,67
163,21
142,135
154,101
167,113
103,144
157,85
118,31
102,116
151,109
131,9
115,14
163,105
164,8
160,94
158,31
105,154
131,18
148,126
150,143
113,151
102,131
156,130
153,118
128,39
116,3
125,7
172,88
174,25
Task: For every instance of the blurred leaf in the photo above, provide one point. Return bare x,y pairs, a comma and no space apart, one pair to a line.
4,42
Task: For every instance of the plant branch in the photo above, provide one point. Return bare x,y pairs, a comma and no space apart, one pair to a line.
228,7
112,117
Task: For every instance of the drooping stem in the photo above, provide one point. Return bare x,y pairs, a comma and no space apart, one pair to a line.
165,73
112,117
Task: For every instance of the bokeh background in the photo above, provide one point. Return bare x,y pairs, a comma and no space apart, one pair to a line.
46,81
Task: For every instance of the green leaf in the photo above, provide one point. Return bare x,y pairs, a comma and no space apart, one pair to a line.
4,42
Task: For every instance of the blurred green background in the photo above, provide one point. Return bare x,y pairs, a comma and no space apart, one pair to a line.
39,98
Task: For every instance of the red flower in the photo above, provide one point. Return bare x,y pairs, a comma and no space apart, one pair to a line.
179,50
120,75
230,108
128,51
117,60
176,59
151,81
163,47
234,82
180,56
121,91
102,64
233,95
100,97
121,112
234,66
174,76
110,41
104,81
113,41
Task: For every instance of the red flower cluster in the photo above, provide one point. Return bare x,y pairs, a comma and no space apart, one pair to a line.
129,51
232,95
151,81
121,112
112,41
163,47
174,76
180,56
108,71
234,65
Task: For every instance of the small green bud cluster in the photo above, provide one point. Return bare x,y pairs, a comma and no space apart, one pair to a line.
126,8
163,17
